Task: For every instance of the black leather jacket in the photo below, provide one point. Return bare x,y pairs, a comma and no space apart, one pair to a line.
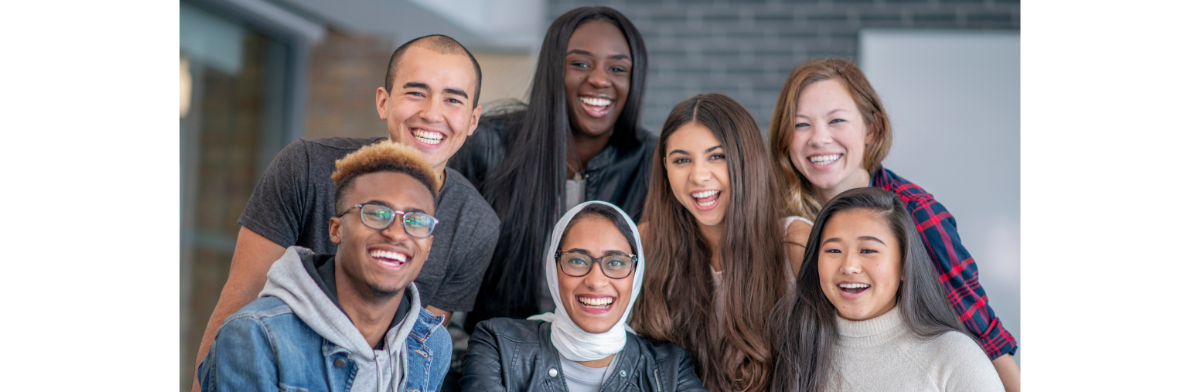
516,355
617,175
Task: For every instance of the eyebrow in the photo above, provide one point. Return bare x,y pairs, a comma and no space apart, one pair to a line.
606,253
798,115
870,238
710,149
447,90
389,205
587,53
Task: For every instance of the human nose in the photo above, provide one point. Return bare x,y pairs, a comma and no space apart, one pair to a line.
700,173
820,136
395,232
595,279
431,112
851,266
598,78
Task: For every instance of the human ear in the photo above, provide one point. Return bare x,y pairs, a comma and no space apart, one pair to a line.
381,97
335,230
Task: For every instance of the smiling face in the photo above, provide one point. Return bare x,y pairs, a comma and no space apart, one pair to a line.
859,264
429,106
381,262
597,77
699,175
594,301
829,139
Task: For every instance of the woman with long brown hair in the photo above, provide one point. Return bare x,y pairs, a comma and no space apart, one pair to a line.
830,134
715,245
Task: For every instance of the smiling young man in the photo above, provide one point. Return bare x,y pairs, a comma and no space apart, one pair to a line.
350,320
430,103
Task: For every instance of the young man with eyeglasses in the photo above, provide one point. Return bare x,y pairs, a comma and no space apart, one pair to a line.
430,103
350,320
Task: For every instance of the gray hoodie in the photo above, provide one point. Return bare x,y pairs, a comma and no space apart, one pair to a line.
377,370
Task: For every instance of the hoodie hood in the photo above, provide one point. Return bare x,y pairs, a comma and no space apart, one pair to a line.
289,281
571,341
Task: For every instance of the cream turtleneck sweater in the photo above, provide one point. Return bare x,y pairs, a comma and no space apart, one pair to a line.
880,354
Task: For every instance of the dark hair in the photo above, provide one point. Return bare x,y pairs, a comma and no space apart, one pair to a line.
527,187
605,212
440,44
801,199
808,333
677,298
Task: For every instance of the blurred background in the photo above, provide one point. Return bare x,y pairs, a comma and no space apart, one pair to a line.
255,75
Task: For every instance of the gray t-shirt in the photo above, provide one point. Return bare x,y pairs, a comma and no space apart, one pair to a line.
293,201
581,378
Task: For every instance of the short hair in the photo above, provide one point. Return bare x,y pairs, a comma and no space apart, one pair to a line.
384,156
437,43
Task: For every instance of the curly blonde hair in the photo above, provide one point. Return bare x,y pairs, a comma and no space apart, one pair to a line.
383,156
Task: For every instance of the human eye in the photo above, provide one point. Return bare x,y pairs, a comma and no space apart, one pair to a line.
417,94
680,161
717,157
575,260
454,100
837,120
580,64
833,250
802,125
616,263
617,69
867,250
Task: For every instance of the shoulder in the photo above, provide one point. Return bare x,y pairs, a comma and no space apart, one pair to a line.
797,229
660,351
316,150
959,361
912,194
258,313
513,330
955,344
460,195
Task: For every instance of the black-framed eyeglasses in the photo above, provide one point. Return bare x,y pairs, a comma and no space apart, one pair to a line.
416,224
613,265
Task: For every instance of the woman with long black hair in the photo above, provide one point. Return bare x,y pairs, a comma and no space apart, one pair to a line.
577,139
869,312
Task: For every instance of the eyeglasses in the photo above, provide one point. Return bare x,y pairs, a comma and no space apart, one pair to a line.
613,265
379,217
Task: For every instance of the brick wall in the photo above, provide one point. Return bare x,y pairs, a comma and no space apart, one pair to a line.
747,48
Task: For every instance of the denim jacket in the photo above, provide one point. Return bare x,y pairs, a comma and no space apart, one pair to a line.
266,346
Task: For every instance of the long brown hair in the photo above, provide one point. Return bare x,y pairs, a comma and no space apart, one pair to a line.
677,298
807,331
800,198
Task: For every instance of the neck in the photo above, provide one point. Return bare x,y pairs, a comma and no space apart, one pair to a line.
369,314
599,363
587,147
712,237
441,172
859,179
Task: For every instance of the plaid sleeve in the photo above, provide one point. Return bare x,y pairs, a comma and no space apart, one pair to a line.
959,276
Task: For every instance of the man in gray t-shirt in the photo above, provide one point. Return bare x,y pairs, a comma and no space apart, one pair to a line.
430,102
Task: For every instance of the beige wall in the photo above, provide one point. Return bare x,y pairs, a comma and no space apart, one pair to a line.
346,69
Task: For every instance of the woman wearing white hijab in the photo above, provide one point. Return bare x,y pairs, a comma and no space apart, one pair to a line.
585,345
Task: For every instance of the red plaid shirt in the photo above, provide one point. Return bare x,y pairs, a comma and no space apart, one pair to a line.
956,266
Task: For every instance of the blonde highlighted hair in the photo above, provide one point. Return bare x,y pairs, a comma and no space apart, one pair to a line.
383,156
799,196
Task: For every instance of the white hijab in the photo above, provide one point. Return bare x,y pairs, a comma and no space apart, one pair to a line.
571,341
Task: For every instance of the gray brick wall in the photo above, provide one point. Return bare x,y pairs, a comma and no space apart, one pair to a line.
746,48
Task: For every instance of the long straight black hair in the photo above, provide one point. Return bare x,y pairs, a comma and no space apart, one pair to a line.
527,187
808,331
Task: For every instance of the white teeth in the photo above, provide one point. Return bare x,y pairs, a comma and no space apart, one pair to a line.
395,256
701,195
428,137
595,101
825,159
596,301
854,285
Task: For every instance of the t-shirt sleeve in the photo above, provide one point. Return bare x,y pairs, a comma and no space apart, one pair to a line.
276,208
959,277
464,276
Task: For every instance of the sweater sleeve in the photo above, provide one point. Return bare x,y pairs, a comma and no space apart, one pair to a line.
959,276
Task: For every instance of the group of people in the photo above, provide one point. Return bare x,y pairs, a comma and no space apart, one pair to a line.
592,255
